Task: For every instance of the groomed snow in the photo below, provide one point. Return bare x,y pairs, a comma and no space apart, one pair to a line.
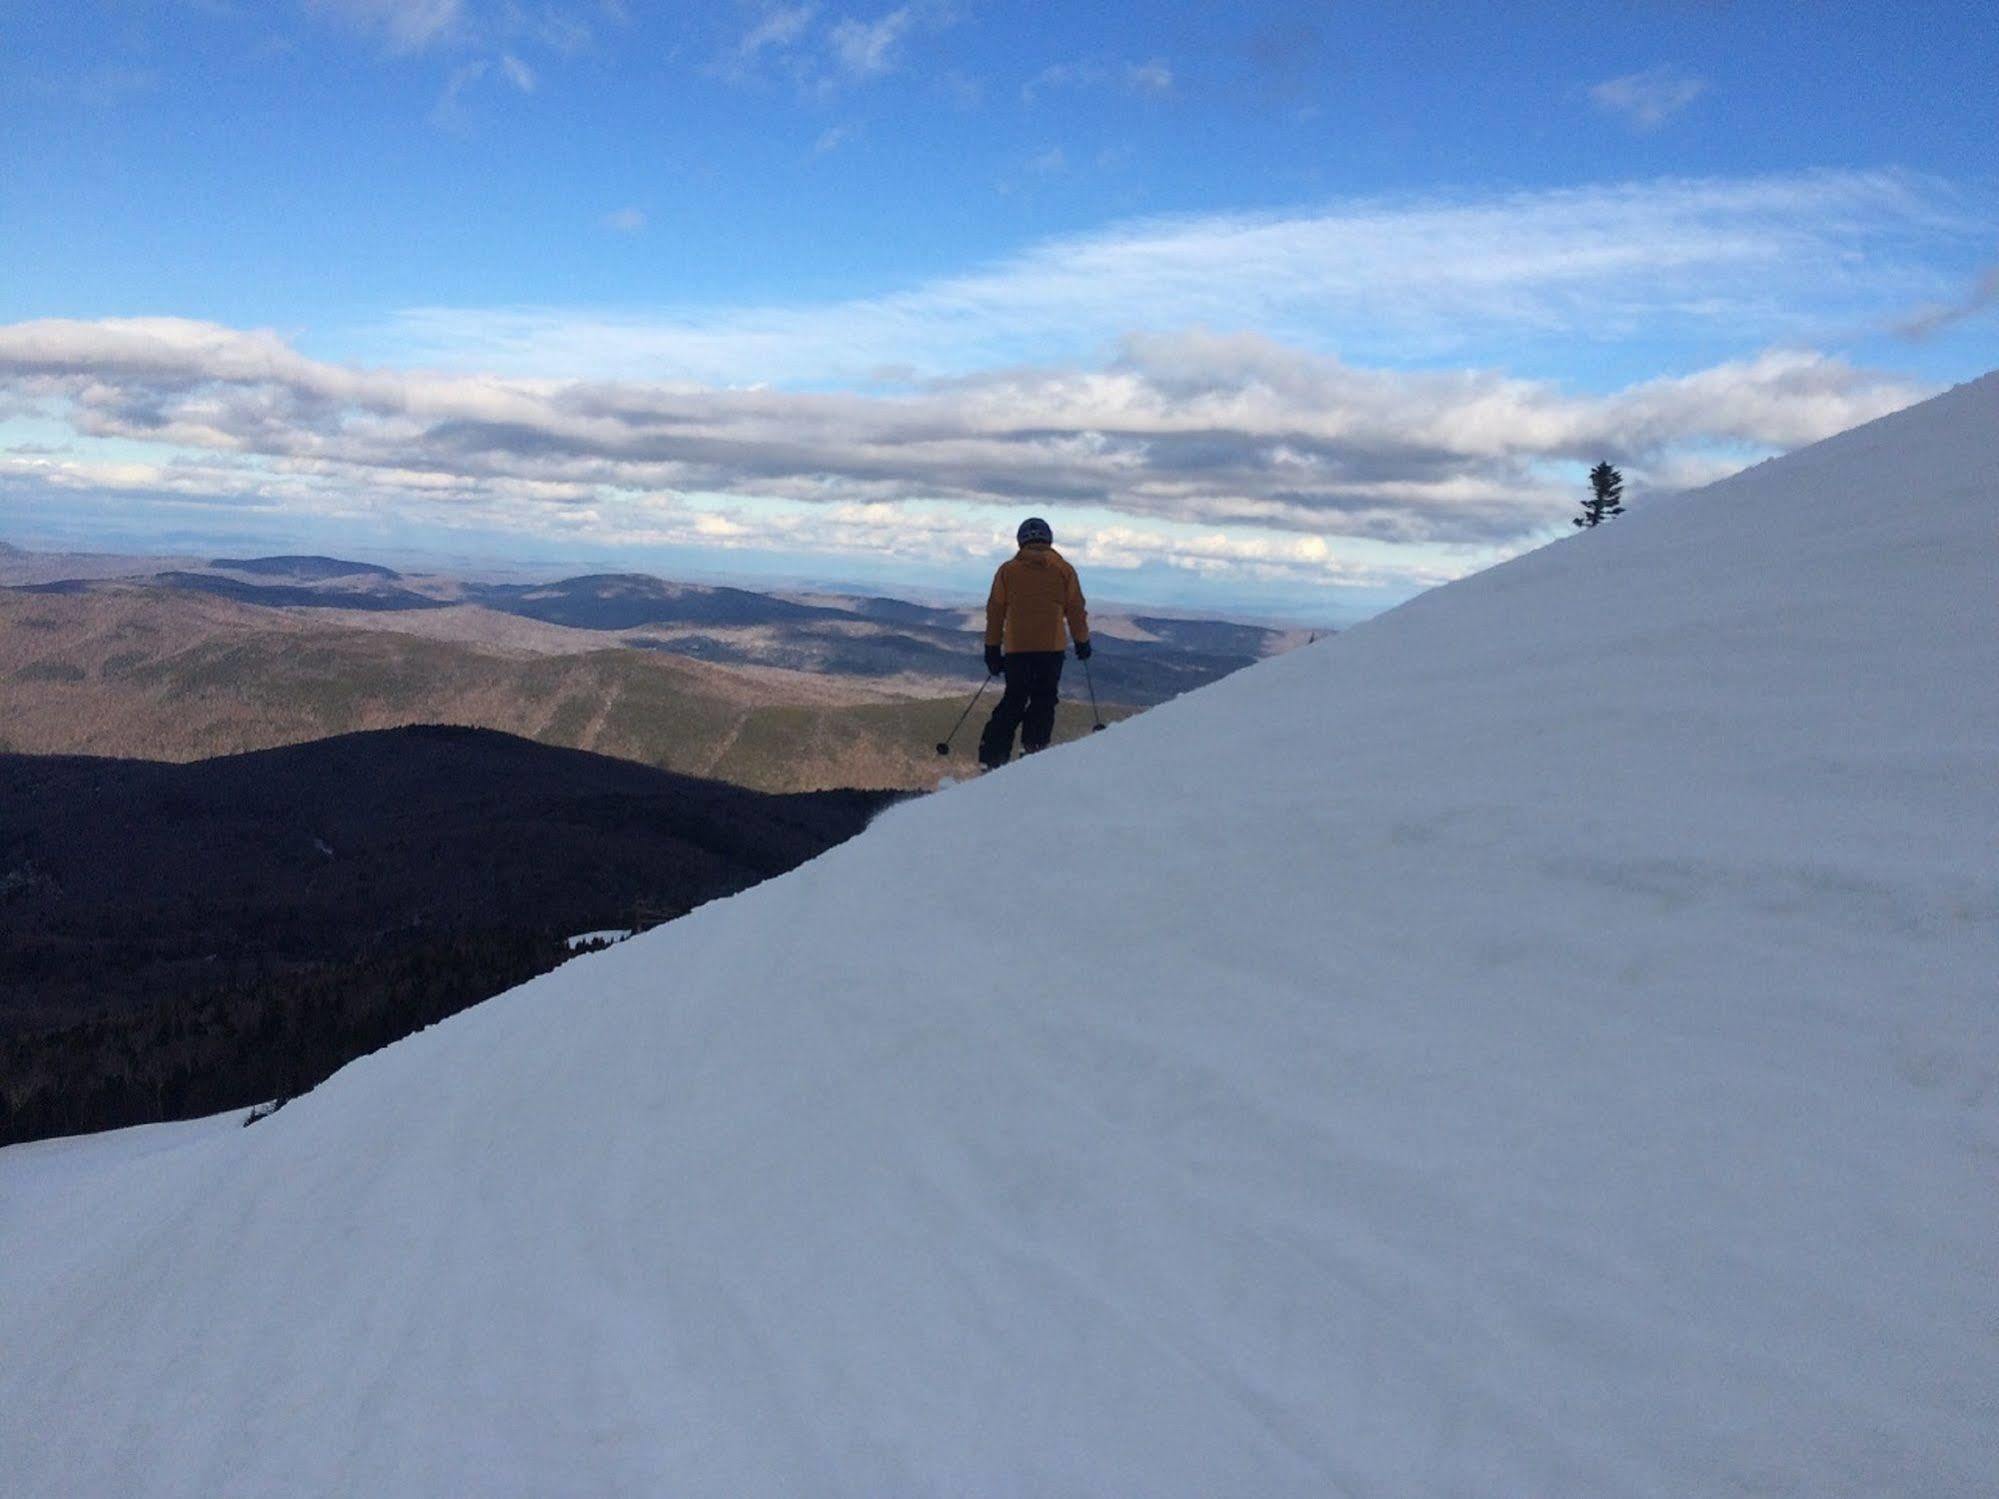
1542,1042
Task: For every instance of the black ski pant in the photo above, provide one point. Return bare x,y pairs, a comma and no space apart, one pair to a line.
1028,704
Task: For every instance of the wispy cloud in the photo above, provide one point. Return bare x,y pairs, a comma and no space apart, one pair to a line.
1647,100
820,54
448,113
560,26
1757,260
866,49
1152,78
478,40
777,28
833,137
1936,317
406,25
627,220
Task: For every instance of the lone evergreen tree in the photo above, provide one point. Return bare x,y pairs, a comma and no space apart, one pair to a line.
1606,497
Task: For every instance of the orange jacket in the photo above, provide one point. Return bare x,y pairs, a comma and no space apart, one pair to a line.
1032,594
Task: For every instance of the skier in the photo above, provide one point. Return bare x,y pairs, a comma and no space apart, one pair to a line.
1033,595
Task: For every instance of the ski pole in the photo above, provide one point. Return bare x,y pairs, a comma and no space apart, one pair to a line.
1098,726
944,744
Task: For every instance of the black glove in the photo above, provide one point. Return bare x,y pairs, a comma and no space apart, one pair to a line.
1082,650
995,662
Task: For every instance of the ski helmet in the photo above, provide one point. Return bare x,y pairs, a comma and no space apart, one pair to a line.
1033,529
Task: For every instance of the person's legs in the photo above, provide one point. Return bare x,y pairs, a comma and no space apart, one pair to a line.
996,743
1038,720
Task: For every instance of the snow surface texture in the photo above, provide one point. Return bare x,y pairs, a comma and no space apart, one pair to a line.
1542,1042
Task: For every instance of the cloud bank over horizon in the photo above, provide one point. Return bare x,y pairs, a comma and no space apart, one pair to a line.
1185,391
1221,452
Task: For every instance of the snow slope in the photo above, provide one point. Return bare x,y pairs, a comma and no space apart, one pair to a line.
1542,1042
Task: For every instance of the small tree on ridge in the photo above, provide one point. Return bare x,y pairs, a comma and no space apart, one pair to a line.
1606,496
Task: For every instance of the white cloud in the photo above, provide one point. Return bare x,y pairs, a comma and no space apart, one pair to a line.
779,27
1787,259
407,25
626,220
833,137
1150,77
449,111
1648,99
481,39
866,49
562,32
791,43
414,25
1285,458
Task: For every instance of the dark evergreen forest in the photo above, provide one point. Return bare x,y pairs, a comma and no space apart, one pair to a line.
180,939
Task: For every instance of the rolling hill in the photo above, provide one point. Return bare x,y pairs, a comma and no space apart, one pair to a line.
911,650
132,670
304,569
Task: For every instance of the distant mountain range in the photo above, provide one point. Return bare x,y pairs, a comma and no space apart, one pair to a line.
180,659
185,938
290,595
302,569
174,674
1145,659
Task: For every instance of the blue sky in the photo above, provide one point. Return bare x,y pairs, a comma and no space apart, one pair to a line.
1289,309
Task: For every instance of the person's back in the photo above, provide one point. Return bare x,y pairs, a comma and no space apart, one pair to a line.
1035,608
1035,594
